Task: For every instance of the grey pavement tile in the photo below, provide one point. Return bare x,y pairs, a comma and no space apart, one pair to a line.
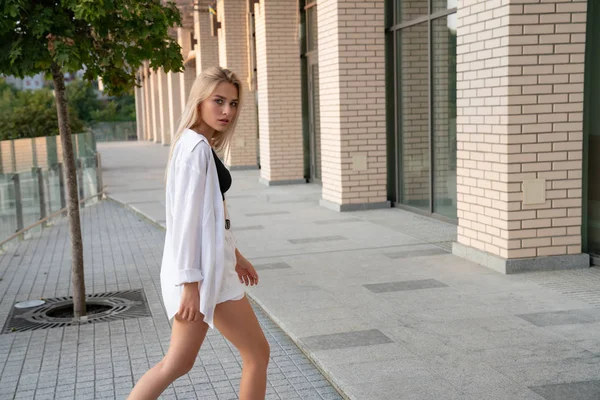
278,265
426,387
104,360
337,221
386,287
247,228
345,339
566,317
557,372
318,239
572,391
416,253
266,213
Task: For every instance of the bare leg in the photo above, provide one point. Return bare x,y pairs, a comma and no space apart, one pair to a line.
237,322
186,339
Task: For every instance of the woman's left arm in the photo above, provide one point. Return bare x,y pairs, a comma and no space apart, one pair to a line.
245,270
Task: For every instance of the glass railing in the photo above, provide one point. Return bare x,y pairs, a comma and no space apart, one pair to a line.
31,193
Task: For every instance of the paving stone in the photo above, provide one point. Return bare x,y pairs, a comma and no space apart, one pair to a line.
103,360
346,339
386,287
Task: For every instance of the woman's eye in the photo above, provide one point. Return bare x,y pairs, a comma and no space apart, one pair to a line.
219,101
234,104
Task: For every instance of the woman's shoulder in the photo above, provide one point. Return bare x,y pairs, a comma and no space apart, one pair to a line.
193,150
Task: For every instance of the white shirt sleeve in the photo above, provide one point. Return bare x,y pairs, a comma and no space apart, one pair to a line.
188,205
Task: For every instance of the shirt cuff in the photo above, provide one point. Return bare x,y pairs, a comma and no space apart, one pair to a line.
188,276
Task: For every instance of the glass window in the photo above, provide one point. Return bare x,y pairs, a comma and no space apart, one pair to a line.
311,28
443,75
441,5
413,114
407,10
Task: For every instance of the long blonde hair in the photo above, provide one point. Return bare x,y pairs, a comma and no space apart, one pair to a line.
204,85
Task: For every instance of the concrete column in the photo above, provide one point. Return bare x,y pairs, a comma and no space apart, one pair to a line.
147,103
139,107
154,106
165,108
279,88
207,46
233,54
187,77
352,103
174,99
519,135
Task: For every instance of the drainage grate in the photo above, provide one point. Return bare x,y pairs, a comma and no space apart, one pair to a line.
109,306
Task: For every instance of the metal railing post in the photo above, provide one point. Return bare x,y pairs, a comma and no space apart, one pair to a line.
41,190
18,201
79,171
61,184
99,183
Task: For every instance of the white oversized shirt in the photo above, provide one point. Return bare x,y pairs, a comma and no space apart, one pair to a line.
194,242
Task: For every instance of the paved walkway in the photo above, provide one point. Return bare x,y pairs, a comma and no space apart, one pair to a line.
103,360
377,301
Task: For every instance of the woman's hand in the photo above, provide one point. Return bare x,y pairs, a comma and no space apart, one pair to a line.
245,270
189,308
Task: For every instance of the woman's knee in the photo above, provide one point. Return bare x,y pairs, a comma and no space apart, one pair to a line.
259,354
174,369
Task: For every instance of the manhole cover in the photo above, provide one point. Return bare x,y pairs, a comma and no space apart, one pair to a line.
57,312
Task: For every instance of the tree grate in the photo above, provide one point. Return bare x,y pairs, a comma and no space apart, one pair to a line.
124,304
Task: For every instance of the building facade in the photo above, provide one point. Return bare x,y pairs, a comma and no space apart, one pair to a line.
479,112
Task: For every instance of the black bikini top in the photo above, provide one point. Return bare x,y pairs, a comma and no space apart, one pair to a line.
223,174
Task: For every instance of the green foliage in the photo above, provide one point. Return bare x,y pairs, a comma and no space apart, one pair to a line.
28,114
111,38
82,96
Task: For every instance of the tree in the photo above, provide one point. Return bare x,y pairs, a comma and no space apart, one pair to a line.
83,98
28,114
110,39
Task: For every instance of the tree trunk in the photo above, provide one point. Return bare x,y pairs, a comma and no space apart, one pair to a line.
64,127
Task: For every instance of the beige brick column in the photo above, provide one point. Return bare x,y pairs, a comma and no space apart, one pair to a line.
352,103
187,77
164,108
207,46
278,80
174,98
520,105
147,102
233,54
155,106
139,107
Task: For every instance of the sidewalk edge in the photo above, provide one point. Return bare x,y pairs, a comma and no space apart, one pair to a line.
253,298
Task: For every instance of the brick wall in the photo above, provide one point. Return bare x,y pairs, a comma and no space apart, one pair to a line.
207,47
279,91
352,96
520,102
187,77
233,54
147,102
154,105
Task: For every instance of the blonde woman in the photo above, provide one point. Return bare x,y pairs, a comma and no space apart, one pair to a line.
202,272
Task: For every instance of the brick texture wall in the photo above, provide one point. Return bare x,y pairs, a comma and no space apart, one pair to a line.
520,102
233,54
147,102
207,47
154,105
187,77
279,91
352,97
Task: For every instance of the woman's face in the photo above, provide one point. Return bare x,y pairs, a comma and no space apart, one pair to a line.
219,109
